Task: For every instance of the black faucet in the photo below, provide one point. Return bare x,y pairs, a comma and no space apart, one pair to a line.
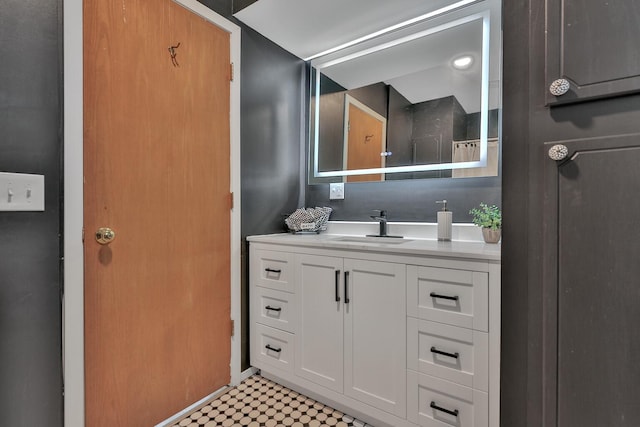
382,219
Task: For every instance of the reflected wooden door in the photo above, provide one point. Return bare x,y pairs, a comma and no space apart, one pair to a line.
156,164
365,141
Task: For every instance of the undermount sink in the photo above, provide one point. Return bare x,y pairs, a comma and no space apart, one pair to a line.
373,239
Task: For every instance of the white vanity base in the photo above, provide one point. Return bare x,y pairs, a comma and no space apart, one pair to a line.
395,334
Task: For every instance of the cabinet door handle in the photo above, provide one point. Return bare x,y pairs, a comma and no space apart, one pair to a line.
558,152
446,411
444,353
346,288
559,87
453,298
337,285
273,308
277,350
272,270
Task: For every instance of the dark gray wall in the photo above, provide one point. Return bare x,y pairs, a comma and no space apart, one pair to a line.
331,124
238,5
516,368
399,130
30,142
408,200
272,128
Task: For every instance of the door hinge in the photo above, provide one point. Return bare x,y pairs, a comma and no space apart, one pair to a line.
82,234
233,328
231,201
231,73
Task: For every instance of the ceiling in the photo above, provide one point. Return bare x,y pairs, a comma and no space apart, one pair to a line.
312,27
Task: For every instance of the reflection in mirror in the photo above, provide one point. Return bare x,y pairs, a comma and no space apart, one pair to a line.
365,137
426,90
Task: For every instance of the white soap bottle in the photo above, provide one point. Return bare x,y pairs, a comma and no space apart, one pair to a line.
445,220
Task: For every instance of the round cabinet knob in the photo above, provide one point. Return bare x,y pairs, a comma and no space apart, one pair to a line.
558,152
105,235
559,87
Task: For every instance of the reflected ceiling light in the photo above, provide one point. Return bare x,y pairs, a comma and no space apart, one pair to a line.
463,62
442,10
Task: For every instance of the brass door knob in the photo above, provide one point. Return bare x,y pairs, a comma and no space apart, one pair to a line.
105,235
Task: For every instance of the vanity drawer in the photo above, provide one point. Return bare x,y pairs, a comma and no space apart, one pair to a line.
274,308
456,354
273,347
434,402
273,269
454,297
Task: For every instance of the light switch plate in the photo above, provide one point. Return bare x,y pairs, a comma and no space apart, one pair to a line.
336,191
21,192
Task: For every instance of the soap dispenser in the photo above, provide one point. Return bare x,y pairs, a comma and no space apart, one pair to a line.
445,219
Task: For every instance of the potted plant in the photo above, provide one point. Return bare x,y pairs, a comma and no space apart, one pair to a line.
490,219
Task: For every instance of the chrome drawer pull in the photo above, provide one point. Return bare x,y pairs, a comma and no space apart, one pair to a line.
444,353
271,270
434,295
273,308
277,350
446,411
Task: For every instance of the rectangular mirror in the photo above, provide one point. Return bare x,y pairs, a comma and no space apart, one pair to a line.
418,102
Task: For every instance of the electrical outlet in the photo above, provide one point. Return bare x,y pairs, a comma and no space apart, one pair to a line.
21,192
336,191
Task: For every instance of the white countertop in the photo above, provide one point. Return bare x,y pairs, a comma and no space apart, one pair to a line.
409,245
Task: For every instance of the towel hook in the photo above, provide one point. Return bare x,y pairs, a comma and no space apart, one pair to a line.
173,53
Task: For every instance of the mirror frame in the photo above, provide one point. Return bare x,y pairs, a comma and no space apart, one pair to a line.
326,61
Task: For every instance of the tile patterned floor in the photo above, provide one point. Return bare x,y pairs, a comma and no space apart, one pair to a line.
259,402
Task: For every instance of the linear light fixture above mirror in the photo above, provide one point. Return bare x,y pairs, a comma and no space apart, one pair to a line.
394,27
310,28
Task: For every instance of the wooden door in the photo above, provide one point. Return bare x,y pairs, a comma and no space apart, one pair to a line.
593,45
156,164
375,334
319,338
365,142
592,293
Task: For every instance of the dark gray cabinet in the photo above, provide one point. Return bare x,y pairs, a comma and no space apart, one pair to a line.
594,45
571,229
592,283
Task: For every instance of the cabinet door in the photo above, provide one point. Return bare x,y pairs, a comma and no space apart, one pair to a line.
375,334
319,335
593,45
592,299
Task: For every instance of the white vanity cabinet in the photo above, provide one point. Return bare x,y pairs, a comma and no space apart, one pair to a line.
273,316
394,336
448,321
351,328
